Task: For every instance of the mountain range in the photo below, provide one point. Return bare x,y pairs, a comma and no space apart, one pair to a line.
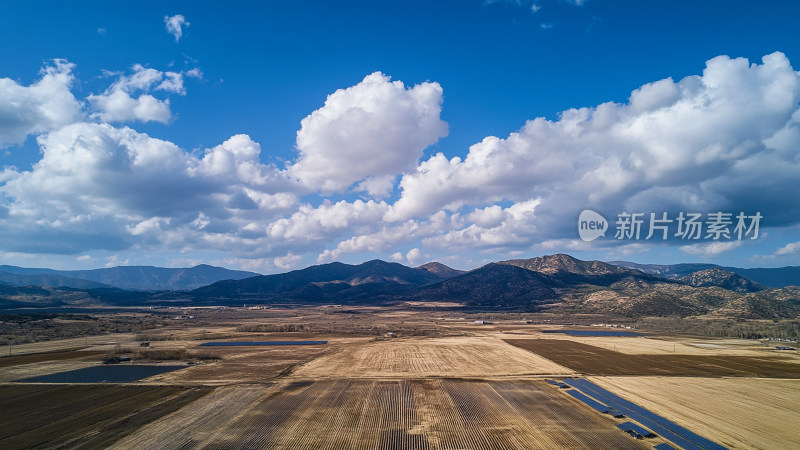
137,278
326,283
557,283
773,277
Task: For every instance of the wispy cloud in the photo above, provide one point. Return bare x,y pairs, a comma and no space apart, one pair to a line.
175,25
789,249
712,249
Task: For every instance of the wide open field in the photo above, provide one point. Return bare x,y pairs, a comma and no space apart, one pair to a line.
11,361
672,345
91,416
591,360
422,357
736,412
403,414
36,364
245,364
423,389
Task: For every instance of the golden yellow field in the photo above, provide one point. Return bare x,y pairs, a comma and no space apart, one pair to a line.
736,412
430,357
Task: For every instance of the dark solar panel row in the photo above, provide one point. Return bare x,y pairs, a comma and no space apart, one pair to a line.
634,414
553,382
637,429
589,401
668,429
245,344
664,447
639,414
672,426
614,413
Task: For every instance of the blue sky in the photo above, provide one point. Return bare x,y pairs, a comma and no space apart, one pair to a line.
274,136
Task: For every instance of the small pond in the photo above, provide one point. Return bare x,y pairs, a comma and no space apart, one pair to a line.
245,343
103,374
606,333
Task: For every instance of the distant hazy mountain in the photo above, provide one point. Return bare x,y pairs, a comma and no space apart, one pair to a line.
777,277
334,282
141,278
721,278
773,277
45,279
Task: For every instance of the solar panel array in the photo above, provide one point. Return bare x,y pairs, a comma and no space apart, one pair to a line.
664,447
589,401
666,428
630,427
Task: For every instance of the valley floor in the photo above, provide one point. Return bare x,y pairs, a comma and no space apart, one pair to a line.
441,382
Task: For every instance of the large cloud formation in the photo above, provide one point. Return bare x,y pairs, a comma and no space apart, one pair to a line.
728,140
368,133
41,107
124,183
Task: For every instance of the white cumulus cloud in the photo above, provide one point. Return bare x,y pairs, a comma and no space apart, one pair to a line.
727,140
325,221
368,133
101,186
120,104
45,105
492,227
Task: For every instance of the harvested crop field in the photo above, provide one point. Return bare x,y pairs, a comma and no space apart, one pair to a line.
10,361
89,416
592,360
408,414
41,368
244,365
420,357
736,412
102,342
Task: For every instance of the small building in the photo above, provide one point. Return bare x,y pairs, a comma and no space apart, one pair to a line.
483,322
144,344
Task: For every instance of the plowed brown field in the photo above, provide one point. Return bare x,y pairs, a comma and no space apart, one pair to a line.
384,414
88,416
592,360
